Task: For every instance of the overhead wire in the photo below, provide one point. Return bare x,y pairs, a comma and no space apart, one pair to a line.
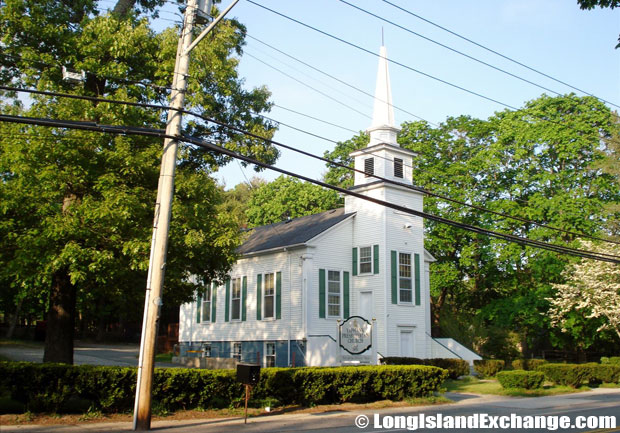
334,163
498,53
132,130
449,48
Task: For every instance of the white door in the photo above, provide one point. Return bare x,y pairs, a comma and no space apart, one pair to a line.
406,343
366,305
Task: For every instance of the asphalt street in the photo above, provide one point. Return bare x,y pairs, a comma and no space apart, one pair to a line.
598,402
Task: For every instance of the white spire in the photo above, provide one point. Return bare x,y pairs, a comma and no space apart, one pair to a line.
382,129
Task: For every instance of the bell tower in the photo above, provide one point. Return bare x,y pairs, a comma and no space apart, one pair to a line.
383,156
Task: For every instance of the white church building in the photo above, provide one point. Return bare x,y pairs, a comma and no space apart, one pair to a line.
297,280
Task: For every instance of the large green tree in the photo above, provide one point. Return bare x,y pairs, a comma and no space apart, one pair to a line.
77,207
288,197
539,163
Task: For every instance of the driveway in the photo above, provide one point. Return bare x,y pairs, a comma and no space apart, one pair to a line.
124,355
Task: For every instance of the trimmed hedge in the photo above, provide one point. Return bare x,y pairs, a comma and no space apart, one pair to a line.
615,360
527,364
521,379
604,373
572,375
56,387
456,367
488,367
576,374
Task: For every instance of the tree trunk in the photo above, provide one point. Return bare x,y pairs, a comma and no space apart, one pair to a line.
14,319
60,325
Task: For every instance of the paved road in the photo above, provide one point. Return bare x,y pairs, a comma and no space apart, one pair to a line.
125,355
593,403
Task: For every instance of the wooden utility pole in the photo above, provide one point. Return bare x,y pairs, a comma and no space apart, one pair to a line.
161,221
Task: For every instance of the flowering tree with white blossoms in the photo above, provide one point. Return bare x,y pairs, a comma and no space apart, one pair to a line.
592,290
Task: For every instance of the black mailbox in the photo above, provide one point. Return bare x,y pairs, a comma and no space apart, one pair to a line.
248,374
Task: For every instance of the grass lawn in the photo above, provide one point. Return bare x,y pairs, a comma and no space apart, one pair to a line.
474,385
164,357
27,343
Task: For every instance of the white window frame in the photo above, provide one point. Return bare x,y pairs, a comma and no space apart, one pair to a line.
340,294
206,300
236,354
359,260
410,278
272,296
268,355
233,299
206,350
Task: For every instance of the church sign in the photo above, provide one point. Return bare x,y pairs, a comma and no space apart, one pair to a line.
355,335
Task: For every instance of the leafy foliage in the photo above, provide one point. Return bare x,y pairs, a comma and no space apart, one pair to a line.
591,293
527,364
489,367
456,367
573,375
77,207
288,197
521,379
48,387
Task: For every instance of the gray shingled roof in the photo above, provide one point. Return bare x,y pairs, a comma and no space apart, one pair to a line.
292,232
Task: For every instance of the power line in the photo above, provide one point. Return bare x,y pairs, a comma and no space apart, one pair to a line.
337,79
308,86
449,48
498,53
402,65
539,116
132,130
285,146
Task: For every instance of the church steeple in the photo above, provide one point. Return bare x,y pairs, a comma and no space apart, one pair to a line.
382,129
383,157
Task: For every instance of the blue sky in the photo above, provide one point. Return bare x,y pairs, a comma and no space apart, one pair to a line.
553,36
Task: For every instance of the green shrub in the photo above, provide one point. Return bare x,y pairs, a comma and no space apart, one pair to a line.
615,360
488,367
527,364
521,379
604,373
456,367
59,387
567,374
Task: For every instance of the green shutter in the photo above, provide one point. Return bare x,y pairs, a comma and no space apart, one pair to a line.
227,312
354,265
394,278
213,301
278,295
322,293
375,254
198,307
417,278
244,295
259,296
345,294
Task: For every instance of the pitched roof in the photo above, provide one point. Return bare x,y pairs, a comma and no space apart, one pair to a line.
292,232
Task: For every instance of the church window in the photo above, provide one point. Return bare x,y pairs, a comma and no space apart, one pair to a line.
369,166
270,354
333,293
206,305
365,260
405,288
269,296
398,168
236,299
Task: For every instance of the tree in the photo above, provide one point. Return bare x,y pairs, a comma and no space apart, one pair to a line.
591,293
537,163
288,197
591,4
236,200
76,207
